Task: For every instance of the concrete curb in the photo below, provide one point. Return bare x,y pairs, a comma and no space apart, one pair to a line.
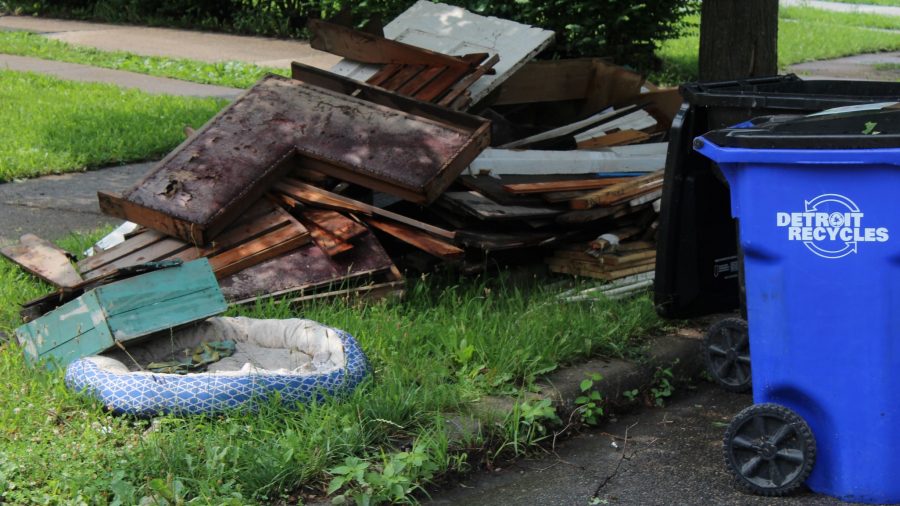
681,351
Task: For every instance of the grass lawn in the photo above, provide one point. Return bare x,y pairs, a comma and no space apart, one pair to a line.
434,354
233,74
54,126
804,34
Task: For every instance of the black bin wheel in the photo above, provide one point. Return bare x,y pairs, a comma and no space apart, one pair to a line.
769,449
726,350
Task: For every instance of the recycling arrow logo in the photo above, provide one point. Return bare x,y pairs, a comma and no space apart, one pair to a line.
835,220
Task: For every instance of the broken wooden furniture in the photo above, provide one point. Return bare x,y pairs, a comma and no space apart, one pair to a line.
450,30
407,70
123,312
218,173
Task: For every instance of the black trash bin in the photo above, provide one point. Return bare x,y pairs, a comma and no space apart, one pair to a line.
697,264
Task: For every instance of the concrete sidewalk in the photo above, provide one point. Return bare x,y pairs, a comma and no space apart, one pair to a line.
143,82
883,10
55,206
203,46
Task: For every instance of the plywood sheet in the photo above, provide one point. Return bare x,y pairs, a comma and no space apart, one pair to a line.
206,183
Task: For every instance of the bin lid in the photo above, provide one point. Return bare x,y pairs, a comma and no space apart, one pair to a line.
787,92
869,126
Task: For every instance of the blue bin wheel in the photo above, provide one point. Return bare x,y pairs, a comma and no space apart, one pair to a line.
726,351
769,449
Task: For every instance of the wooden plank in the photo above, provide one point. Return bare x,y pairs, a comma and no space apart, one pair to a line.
427,243
557,197
621,192
580,269
384,74
560,186
570,129
407,73
493,188
646,198
588,215
330,244
620,138
43,259
160,250
335,223
422,80
313,195
500,241
629,257
266,230
477,205
637,120
258,250
455,92
453,30
132,244
439,85
637,158
369,48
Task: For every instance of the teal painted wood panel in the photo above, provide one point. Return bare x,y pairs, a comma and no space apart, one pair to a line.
166,314
70,331
158,287
124,310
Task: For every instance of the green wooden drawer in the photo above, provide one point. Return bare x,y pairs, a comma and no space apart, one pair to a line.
124,311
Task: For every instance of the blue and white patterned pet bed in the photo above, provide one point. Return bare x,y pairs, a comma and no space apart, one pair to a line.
302,360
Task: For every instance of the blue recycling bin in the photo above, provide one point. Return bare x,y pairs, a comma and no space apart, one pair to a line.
817,199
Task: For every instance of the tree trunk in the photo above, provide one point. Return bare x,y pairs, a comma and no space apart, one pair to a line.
738,39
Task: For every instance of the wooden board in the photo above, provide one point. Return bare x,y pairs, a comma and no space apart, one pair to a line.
622,192
637,120
492,188
478,206
453,30
427,243
43,259
588,215
587,270
569,130
638,158
620,138
501,241
313,195
123,311
368,48
560,186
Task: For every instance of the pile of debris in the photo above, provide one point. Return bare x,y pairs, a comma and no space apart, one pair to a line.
438,142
